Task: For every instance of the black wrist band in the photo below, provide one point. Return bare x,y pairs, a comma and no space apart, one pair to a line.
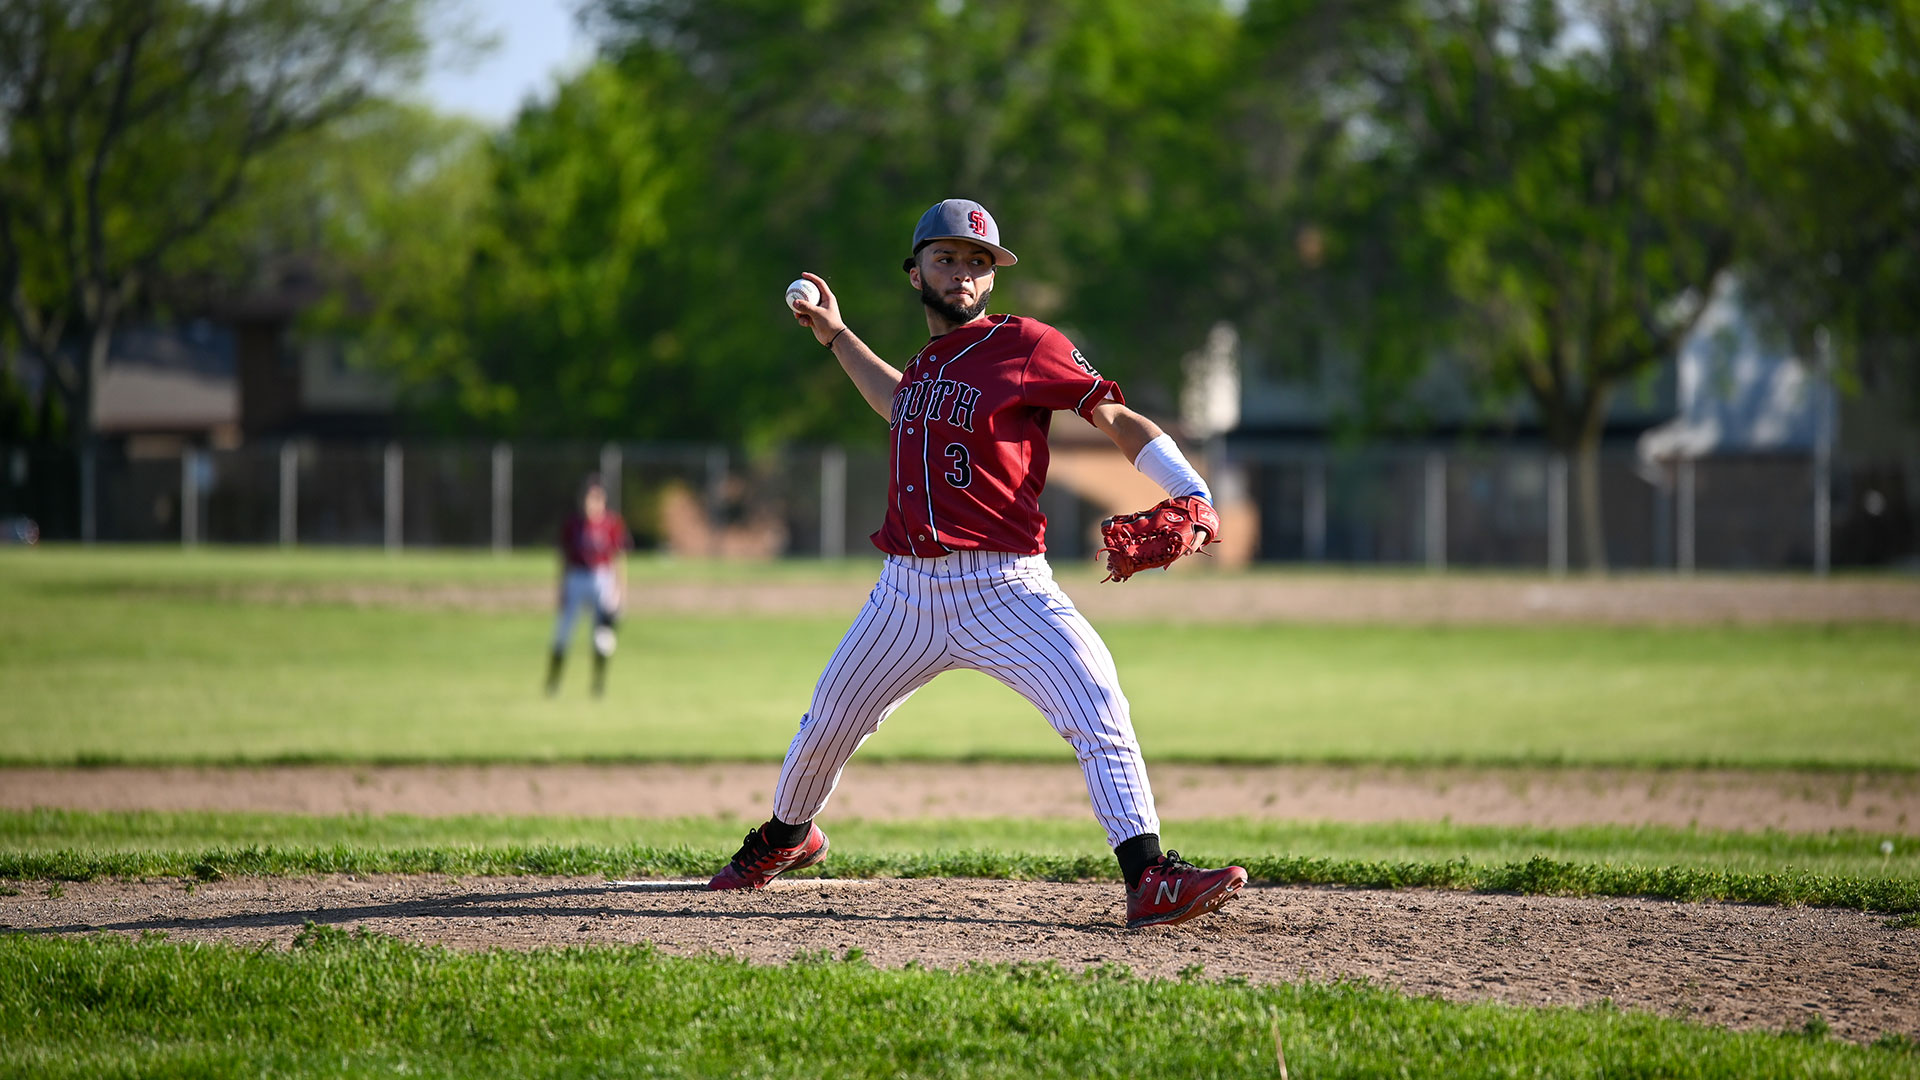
835,337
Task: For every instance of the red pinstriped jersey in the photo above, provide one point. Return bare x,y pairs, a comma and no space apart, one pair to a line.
969,436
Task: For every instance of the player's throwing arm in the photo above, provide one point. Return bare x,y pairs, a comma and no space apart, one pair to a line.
820,312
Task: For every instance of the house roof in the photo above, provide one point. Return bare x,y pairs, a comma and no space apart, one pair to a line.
132,398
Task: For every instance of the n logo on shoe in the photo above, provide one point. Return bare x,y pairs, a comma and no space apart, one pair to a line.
1168,893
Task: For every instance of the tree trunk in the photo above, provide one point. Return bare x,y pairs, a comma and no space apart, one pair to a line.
1586,479
92,372
1590,527
83,421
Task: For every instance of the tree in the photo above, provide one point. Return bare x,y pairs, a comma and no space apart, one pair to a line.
564,311
386,206
1338,282
627,270
1834,117
1575,178
128,128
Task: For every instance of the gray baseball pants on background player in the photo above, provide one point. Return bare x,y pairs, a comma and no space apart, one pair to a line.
993,612
585,590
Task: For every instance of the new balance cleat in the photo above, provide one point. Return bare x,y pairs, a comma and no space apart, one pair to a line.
758,862
1173,890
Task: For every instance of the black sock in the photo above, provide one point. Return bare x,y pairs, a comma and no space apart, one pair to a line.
554,661
781,834
599,674
1136,855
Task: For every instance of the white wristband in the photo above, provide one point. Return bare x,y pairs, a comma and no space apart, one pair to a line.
1164,464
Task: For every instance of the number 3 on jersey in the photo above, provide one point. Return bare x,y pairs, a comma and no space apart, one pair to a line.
961,472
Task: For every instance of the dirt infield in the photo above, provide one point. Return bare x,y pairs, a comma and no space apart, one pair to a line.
1731,965
1718,799
1734,965
1386,597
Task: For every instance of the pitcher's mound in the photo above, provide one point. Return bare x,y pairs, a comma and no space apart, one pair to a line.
1743,966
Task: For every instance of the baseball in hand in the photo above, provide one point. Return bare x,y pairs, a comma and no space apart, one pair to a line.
800,290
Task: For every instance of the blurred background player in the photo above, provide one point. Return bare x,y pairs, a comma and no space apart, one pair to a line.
593,577
966,583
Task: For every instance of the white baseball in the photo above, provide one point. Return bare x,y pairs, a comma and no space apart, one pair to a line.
802,289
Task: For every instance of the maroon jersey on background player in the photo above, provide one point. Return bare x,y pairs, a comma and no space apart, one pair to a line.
969,433
592,542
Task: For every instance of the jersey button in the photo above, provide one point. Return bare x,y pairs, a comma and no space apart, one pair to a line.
909,487
909,431
923,536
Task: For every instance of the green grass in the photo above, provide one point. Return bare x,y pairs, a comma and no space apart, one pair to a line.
140,656
1839,869
1538,876
120,568
342,1003
1842,852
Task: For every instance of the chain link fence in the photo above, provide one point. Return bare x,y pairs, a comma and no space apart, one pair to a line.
1440,508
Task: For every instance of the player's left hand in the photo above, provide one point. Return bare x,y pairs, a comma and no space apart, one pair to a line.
1169,531
822,318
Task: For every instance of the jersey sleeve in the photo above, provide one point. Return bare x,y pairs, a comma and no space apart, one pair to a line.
1058,377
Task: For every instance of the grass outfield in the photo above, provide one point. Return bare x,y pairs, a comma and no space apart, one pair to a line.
121,567
1834,870
139,656
339,1003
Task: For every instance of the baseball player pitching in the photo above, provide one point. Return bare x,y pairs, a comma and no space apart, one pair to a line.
593,577
966,582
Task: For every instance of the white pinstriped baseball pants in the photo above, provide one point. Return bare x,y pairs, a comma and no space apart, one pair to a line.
992,612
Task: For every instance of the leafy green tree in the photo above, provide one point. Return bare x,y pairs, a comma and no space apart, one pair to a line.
1572,175
642,224
130,127
1339,284
572,308
1834,118
386,207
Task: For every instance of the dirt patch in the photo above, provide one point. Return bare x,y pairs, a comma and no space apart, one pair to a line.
1732,965
1724,964
1498,600
1717,799
1203,596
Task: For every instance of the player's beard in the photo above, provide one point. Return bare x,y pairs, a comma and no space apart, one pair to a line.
952,312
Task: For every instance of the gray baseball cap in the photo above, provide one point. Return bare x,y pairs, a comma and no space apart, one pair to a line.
961,219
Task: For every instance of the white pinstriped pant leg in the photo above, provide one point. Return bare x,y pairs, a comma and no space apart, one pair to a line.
896,645
993,612
1025,632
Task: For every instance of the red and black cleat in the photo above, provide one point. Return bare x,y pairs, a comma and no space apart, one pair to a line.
1173,891
758,862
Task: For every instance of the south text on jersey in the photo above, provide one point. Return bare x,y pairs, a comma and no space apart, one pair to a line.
946,400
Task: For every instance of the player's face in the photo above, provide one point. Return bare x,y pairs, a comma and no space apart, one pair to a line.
955,278
594,502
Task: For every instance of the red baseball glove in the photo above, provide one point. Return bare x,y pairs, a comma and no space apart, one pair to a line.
1157,537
